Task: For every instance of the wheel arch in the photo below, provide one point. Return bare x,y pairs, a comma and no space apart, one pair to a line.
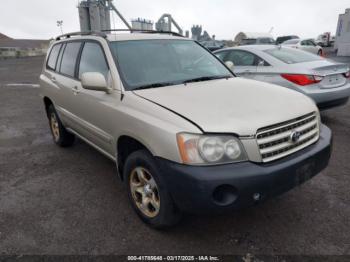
47,102
125,146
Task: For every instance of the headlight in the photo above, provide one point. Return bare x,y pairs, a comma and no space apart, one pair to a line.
210,149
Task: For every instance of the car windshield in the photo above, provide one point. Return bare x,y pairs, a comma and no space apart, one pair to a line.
266,40
291,42
292,56
156,63
248,42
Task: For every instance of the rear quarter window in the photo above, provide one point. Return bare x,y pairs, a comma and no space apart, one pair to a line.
292,56
52,60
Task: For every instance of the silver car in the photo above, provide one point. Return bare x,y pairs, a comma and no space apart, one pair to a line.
307,45
325,81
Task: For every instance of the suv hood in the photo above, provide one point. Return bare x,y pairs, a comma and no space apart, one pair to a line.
233,105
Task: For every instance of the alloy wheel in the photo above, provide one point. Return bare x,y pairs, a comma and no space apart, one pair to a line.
54,127
144,191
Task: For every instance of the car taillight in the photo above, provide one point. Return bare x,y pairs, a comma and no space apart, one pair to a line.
302,80
347,74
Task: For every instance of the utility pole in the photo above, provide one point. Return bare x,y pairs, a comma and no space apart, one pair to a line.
60,25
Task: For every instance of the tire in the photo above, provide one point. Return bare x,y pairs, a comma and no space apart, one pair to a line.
320,53
59,134
142,164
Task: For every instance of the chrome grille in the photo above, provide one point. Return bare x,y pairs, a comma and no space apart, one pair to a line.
275,141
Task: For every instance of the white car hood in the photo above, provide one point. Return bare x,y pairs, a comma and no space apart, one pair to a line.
232,105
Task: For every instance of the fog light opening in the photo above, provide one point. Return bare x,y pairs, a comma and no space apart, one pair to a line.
256,196
225,195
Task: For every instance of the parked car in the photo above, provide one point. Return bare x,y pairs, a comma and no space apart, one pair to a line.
308,45
186,134
282,39
258,41
325,81
213,45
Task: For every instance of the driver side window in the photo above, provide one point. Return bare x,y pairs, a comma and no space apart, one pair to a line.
93,60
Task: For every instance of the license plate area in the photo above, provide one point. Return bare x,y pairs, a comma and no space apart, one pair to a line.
305,172
332,81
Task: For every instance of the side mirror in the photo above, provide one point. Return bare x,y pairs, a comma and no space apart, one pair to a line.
230,65
94,81
261,63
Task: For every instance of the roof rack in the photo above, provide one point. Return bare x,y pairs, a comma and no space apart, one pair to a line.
144,31
68,35
103,34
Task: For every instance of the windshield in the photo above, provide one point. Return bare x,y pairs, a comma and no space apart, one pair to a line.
291,42
156,63
292,56
248,42
266,40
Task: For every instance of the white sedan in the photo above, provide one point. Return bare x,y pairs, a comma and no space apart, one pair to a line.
308,45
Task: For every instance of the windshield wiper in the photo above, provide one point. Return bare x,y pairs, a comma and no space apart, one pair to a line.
205,78
154,85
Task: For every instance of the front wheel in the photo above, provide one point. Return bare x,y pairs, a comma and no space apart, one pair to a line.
147,191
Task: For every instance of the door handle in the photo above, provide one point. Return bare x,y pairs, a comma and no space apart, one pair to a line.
53,79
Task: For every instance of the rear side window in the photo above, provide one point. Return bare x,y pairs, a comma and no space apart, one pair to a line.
93,60
69,58
51,61
292,56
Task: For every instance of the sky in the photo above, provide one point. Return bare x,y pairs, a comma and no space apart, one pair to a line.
37,19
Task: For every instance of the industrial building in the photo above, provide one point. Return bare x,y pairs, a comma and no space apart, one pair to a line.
342,38
94,15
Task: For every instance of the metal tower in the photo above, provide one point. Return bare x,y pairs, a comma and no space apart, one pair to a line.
95,15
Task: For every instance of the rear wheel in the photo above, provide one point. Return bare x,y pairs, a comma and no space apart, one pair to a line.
147,191
59,134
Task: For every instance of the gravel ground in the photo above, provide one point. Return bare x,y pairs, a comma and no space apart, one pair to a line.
69,201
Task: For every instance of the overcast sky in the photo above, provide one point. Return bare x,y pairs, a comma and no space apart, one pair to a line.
224,18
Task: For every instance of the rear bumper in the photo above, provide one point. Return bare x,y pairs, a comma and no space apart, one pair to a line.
234,186
330,97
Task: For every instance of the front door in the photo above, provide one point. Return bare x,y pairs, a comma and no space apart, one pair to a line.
245,63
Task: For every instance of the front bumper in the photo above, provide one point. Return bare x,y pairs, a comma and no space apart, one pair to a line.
228,187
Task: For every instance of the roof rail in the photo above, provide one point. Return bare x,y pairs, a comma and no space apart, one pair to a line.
144,31
68,35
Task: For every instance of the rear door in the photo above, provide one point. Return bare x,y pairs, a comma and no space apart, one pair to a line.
67,82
